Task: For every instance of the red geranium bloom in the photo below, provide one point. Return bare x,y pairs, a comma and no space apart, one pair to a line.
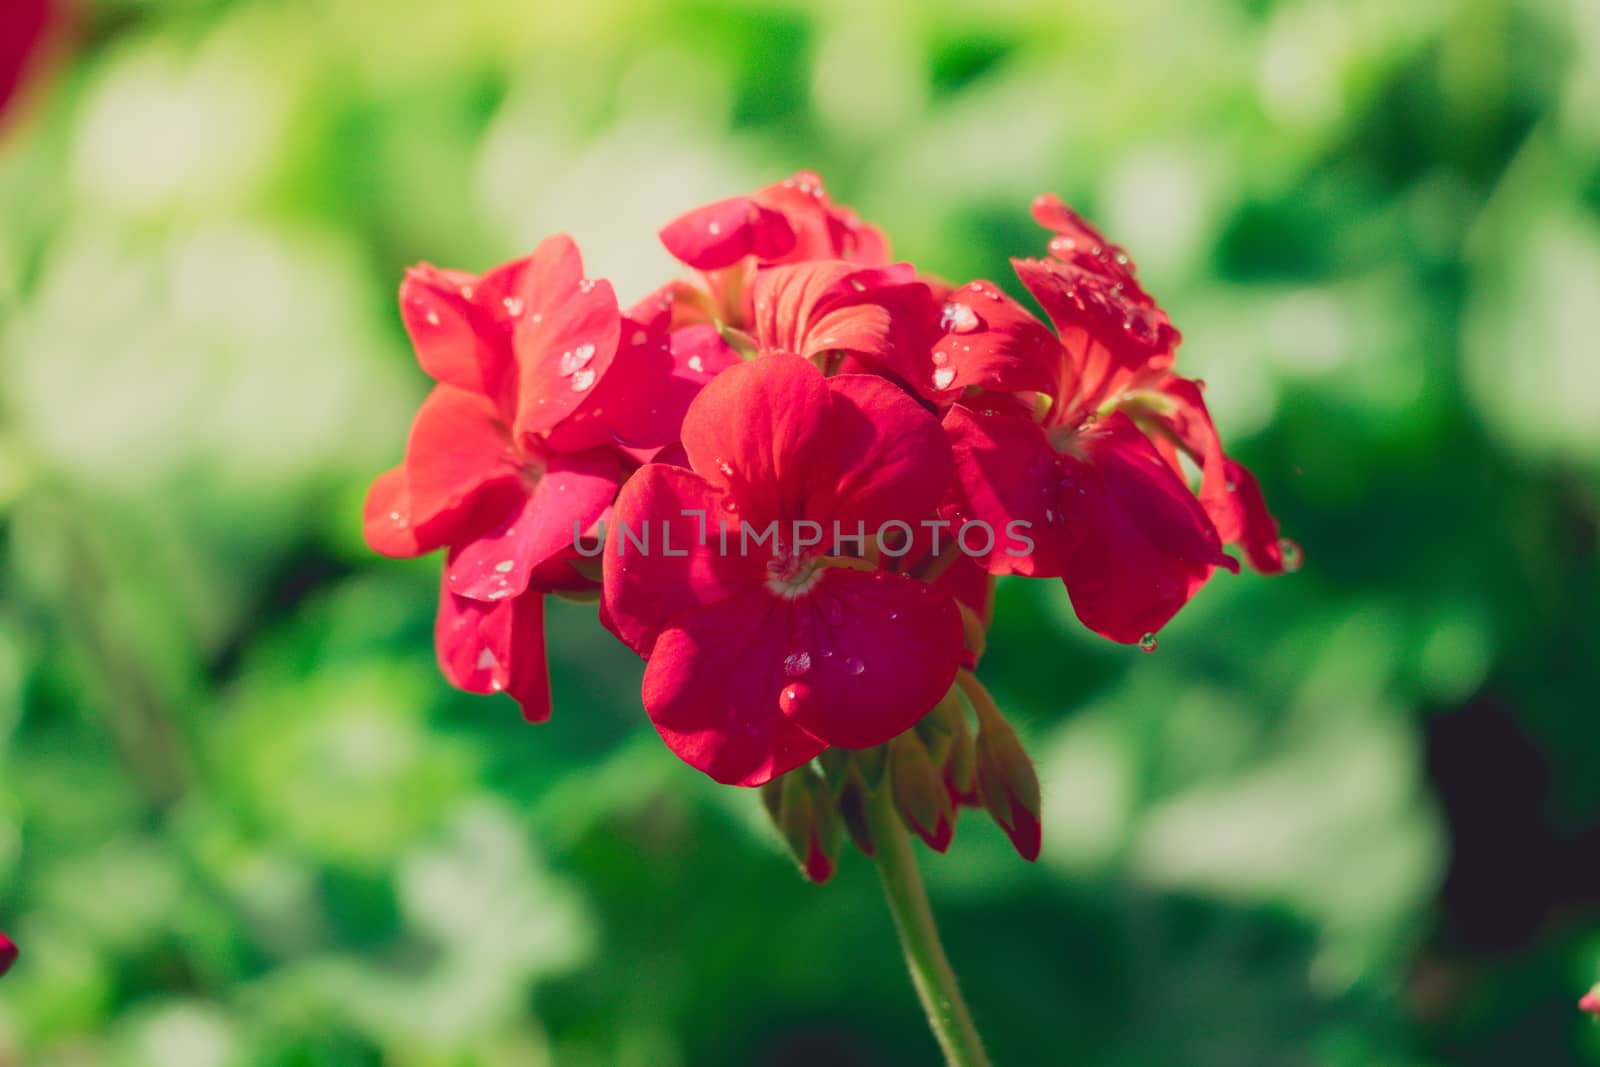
546,398
1090,453
8,954
764,652
22,29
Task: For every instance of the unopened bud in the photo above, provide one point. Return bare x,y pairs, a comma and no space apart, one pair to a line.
853,813
8,954
802,808
1006,778
919,791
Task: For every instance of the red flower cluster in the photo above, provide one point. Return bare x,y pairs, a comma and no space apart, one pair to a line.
790,481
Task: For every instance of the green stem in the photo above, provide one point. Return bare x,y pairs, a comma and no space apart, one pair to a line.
948,1016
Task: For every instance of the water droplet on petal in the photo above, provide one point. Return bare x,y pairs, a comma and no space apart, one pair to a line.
958,318
696,365
586,285
582,380
1147,643
433,317
576,360
943,377
1140,326
486,660
790,695
725,467
853,665
513,305
715,227
640,337
1293,555
504,566
796,663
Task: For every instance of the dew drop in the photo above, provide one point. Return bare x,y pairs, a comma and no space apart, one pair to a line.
790,695
1140,326
715,227
504,566
1147,643
433,317
853,665
696,365
797,663
586,285
725,467
513,305
1293,555
640,337
943,377
940,357
486,661
576,360
582,380
958,318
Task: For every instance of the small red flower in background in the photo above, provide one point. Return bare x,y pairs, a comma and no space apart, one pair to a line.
760,657
1096,465
1591,1002
23,28
8,954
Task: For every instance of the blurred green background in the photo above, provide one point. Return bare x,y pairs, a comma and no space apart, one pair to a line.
1350,817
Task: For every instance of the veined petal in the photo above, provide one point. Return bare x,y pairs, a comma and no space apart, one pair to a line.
992,342
884,457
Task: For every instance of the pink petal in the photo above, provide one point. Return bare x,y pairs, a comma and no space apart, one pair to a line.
712,689
493,648
386,517
534,526
566,338
867,655
457,342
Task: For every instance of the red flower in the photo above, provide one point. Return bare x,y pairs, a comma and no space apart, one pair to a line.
545,396
1590,1002
764,652
1095,465
23,24
8,954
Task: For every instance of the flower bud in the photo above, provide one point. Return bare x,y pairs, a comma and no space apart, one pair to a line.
1006,778
8,954
1590,1002
919,791
853,812
802,808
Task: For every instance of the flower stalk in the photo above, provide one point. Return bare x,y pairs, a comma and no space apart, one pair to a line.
948,1015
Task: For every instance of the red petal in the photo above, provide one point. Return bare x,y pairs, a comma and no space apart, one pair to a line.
1109,339
712,688
457,445
1011,479
721,234
1144,544
884,457
1258,531
534,527
992,342
755,431
566,338
1078,243
493,648
867,655
457,342
823,230
386,517
645,588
